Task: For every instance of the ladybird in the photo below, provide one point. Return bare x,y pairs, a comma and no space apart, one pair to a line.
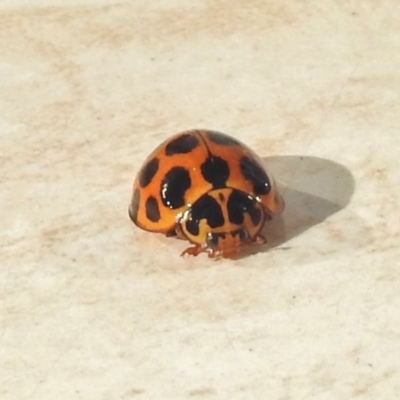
206,187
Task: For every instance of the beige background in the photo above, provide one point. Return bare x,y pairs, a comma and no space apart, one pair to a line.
89,310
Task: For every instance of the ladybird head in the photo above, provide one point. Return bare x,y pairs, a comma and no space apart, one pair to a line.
222,221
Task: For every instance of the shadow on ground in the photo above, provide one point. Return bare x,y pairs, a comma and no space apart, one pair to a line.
313,188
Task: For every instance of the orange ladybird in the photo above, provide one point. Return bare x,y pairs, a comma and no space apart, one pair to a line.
208,188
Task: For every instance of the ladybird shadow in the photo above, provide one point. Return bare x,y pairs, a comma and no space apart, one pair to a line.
313,189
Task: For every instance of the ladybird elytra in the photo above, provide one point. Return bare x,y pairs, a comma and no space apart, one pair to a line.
208,188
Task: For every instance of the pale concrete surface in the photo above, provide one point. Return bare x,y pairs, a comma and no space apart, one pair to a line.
89,310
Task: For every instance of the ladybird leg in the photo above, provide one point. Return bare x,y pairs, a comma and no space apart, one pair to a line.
212,253
178,233
260,239
193,251
171,233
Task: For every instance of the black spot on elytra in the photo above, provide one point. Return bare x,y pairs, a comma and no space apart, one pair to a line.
148,172
206,207
173,187
238,204
134,207
254,173
181,145
222,139
215,170
152,209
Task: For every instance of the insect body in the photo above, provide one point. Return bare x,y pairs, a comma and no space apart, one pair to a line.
208,188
